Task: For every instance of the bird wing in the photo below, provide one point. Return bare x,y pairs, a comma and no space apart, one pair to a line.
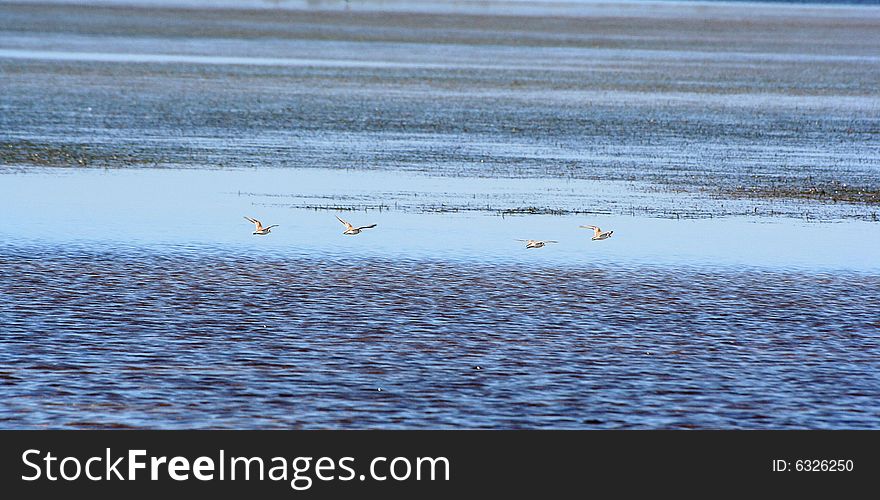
596,230
273,225
366,227
255,222
346,223
550,241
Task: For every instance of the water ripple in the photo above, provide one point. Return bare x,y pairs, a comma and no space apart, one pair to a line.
134,338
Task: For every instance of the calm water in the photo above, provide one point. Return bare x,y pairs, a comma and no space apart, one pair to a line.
141,299
133,142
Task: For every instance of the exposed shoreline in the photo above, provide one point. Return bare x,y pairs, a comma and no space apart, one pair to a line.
717,103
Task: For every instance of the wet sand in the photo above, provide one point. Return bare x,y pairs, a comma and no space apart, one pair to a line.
719,103
732,148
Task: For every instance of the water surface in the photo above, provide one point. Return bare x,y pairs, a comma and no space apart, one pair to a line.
192,338
734,157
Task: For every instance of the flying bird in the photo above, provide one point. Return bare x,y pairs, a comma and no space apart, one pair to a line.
350,230
258,226
537,243
599,234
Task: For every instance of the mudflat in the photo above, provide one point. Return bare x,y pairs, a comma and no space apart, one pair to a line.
732,148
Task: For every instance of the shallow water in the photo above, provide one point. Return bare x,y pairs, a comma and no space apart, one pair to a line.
418,216
133,142
197,338
120,312
737,110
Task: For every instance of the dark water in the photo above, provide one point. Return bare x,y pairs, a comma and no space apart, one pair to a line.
183,338
732,148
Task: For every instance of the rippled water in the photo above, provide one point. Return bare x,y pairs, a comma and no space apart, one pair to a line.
186,338
735,159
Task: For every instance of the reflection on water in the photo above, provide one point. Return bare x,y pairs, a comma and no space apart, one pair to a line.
734,158
125,337
424,217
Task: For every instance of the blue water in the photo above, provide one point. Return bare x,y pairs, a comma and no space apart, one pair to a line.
734,158
204,338
418,217
141,299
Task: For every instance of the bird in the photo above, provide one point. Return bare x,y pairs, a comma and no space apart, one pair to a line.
537,243
259,229
599,234
351,230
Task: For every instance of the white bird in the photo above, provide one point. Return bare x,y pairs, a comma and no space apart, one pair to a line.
537,243
350,230
258,226
599,234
